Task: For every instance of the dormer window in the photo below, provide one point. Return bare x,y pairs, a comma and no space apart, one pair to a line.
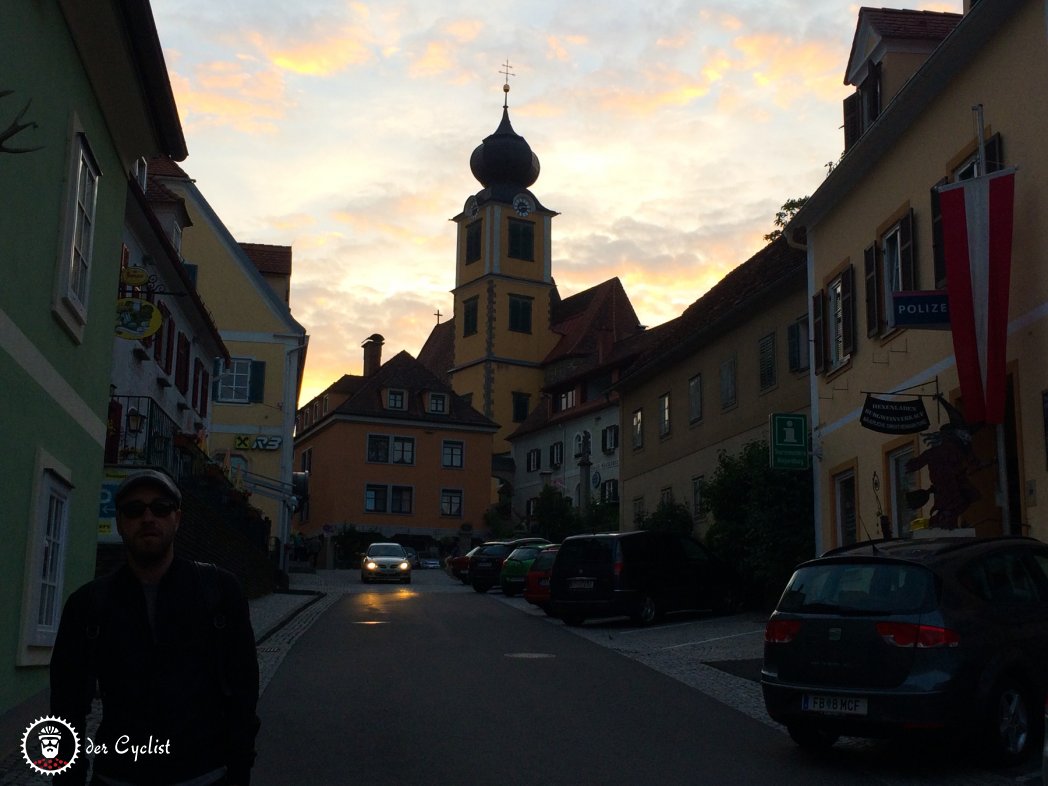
863,106
395,399
438,404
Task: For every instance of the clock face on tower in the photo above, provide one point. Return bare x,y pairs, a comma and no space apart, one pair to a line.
522,204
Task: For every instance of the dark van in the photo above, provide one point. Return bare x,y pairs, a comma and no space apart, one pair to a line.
640,574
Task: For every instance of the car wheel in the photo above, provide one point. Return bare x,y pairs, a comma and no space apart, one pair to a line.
574,620
1013,723
646,610
812,738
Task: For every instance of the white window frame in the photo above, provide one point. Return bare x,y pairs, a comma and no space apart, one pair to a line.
449,454
534,460
73,282
728,387
393,395
609,439
836,356
448,500
438,403
556,454
230,385
664,415
44,576
402,450
891,272
638,428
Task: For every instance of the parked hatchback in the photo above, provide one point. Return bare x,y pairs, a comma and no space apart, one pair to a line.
516,566
485,566
642,574
536,583
892,636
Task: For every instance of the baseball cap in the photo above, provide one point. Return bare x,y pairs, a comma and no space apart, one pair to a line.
148,477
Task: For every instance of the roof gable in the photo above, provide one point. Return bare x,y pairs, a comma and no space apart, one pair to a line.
881,29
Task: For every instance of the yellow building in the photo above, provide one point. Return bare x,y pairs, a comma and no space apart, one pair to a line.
710,380
255,396
874,229
504,289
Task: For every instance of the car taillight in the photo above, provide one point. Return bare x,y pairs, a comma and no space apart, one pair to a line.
616,568
781,631
910,634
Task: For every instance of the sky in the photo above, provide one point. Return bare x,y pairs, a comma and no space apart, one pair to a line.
669,133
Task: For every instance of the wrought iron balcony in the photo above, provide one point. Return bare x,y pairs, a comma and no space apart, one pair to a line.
139,432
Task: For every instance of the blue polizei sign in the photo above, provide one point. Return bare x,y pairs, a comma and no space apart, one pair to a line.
928,310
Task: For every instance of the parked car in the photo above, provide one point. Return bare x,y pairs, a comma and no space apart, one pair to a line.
516,566
883,637
413,557
458,566
536,583
429,562
385,562
642,574
485,565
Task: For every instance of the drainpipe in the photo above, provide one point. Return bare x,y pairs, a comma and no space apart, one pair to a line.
287,448
791,233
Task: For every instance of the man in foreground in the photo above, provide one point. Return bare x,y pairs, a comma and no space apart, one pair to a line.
170,645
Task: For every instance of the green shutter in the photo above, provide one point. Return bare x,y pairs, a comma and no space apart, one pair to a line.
257,387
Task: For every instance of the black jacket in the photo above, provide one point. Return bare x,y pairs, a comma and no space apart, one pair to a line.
195,683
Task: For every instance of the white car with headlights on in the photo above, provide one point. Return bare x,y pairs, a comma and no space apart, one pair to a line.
385,562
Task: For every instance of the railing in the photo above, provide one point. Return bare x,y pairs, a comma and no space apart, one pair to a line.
139,432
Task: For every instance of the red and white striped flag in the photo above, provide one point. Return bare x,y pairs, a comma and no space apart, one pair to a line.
977,243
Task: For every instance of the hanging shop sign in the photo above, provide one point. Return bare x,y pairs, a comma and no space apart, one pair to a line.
134,276
894,417
136,318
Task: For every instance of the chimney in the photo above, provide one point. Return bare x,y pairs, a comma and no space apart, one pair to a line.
372,354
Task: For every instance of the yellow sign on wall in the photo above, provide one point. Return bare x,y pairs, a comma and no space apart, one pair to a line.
136,318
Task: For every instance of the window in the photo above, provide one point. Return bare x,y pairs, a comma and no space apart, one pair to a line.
521,407
530,506
75,279
564,400
438,404
198,372
609,491
844,503
609,439
401,499
797,344
766,361
306,460
833,320
666,497
664,414
403,450
395,399
378,448
182,364
473,236
451,502
727,384
638,428
469,316
582,444
326,402
375,498
520,313
49,558
863,106
695,399
696,498
534,460
242,382
900,484
451,453
521,239
638,510
556,454
889,267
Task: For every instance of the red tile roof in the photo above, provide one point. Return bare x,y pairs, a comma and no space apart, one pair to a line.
269,259
165,167
906,24
438,353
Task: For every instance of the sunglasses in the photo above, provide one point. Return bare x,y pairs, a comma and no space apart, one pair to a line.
159,508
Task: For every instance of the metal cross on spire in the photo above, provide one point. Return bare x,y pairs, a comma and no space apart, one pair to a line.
505,71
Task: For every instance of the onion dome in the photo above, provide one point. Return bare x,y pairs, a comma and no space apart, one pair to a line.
504,158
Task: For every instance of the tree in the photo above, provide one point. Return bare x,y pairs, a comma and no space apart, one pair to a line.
669,517
763,519
786,213
554,516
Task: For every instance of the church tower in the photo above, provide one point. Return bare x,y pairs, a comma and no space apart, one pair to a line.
504,289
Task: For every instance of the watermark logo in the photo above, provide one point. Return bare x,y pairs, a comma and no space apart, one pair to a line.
50,745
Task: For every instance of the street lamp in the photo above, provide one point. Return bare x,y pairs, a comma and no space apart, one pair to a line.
135,421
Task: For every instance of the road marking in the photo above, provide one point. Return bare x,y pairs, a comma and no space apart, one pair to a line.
707,641
530,655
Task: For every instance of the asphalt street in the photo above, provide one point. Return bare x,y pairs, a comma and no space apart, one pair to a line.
435,684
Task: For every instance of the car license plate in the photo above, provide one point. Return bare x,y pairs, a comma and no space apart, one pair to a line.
543,582
833,705
483,563
580,584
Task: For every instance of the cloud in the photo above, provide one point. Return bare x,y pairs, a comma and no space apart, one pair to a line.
227,94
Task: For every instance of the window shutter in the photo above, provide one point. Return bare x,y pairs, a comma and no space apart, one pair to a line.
257,388
994,154
852,119
907,253
873,290
848,309
793,345
938,257
818,323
